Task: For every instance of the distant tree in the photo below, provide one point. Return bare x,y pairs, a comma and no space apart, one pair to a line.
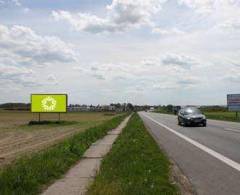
118,105
130,107
169,108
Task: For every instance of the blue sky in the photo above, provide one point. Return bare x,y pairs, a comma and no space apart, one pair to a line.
139,51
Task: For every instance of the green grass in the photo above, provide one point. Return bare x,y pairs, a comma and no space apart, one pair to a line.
225,116
216,115
29,174
164,112
135,165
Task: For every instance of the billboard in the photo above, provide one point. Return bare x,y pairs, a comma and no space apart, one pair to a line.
233,102
49,103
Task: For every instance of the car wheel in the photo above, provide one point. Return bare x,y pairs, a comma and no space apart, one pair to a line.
184,124
179,123
204,124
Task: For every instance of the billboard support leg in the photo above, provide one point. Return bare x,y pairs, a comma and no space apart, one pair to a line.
39,117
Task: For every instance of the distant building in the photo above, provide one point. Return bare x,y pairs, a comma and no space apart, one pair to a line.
79,108
86,108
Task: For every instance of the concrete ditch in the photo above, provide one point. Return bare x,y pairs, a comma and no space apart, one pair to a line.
79,177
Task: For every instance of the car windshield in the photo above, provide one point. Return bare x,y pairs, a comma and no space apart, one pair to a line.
192,111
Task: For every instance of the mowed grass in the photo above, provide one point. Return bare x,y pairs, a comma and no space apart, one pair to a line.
225,116
135,165
30,174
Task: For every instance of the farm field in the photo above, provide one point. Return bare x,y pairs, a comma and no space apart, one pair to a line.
17,137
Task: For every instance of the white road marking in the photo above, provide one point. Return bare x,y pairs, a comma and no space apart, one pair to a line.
232,130
213,153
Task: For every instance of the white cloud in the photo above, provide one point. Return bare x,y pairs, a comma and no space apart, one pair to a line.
233,74
183,61
23,45
202,6
98,76
16,2
208,6
9,2
235,78
121,15
171,31
51,79
22,50
230,25
6,71
17,75
26,10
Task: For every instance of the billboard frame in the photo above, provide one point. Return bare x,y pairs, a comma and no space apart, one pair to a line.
50,95
59,113
237,105
229,107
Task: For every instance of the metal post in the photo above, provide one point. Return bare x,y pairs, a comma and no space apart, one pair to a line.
59,116
39,117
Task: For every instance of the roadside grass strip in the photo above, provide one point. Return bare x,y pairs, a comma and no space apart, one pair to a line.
224,116
215,115
30,174
135,165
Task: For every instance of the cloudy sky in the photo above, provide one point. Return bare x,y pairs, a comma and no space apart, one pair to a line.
139,51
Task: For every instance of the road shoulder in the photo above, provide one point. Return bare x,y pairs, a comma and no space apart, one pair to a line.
135,165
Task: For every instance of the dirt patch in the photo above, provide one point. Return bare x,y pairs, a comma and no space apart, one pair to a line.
17,138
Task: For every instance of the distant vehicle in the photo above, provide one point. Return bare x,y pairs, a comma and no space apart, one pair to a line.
151,109
191,116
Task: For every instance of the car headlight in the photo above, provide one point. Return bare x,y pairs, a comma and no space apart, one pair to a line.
204,117
188,118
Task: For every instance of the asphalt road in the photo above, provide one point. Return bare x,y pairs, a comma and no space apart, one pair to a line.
208,156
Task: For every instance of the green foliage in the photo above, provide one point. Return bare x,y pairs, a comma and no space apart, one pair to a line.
214,109
135,165
165,109
28,174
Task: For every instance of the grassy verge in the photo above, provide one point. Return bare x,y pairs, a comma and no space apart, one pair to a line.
216,115
135,165
225,116
53,123
29,174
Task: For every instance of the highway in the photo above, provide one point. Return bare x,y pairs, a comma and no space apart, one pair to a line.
208,156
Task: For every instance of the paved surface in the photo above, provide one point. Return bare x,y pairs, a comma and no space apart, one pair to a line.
78,178
208,156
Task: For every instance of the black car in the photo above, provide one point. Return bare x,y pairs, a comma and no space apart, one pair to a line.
191,116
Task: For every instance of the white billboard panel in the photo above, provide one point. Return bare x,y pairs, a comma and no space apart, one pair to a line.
233,102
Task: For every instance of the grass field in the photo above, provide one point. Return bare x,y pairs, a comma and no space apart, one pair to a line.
217,115
135,165
17,137
226,116
29,174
